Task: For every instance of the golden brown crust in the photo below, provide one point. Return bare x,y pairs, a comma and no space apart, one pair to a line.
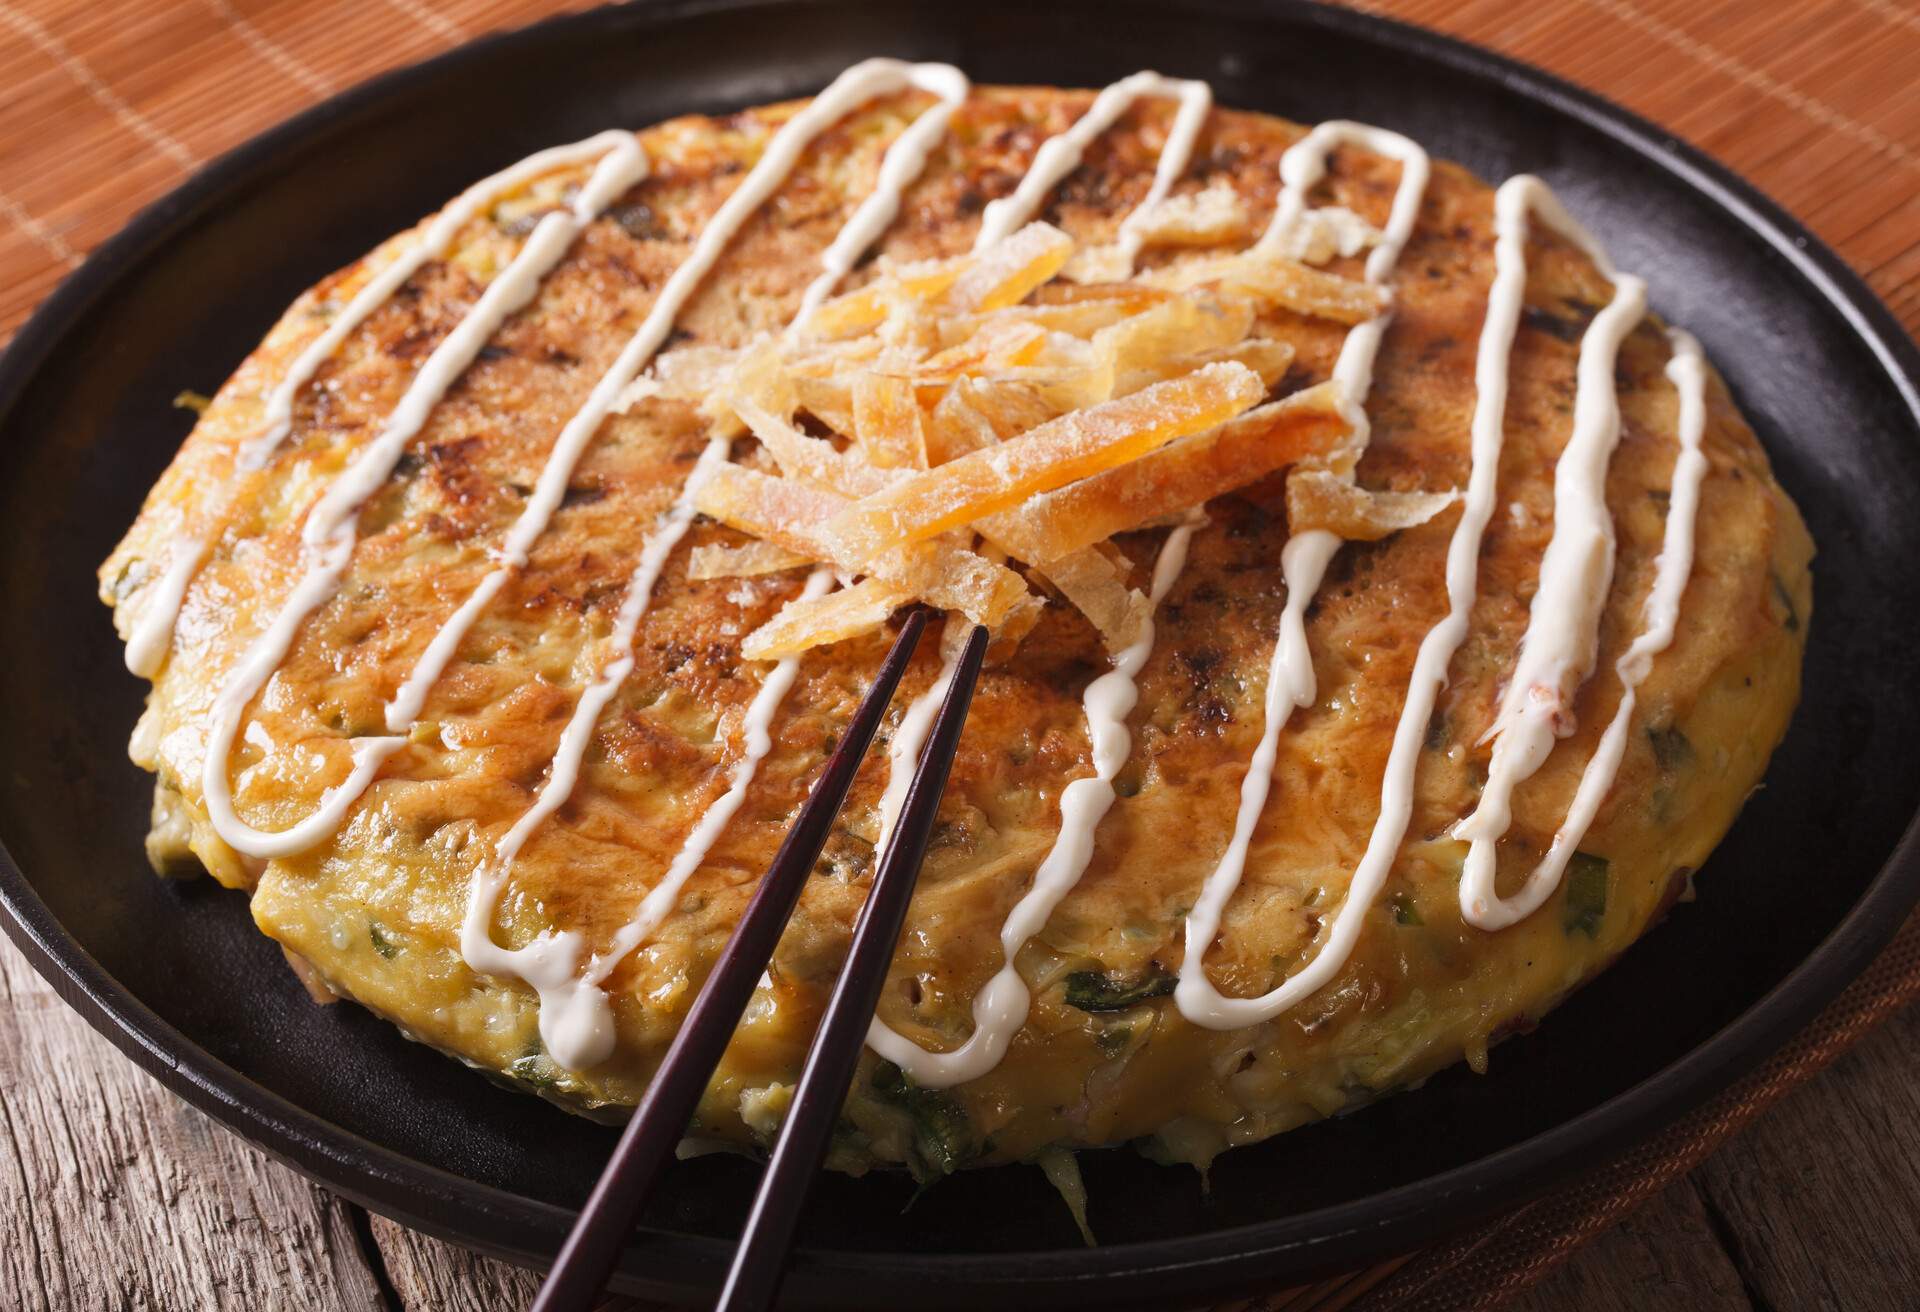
377,910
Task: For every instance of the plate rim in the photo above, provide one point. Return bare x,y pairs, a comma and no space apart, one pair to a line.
499,1221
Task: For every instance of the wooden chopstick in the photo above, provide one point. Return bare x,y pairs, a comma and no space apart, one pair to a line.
600,1234
759,1263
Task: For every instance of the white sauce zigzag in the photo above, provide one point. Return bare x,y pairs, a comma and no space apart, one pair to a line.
1562,634
1001,1007
1303,563
1062,153
576,1018
153,629
576,1021
1479,904
331,529
549,961
1562,638
898,170
904,162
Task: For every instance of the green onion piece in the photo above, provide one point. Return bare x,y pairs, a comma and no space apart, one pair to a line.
1405,912
1586,895
1097,991
536,1071
385,946
943,1139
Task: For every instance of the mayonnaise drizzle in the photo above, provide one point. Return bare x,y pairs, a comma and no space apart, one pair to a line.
152,635
1304,559
576,1018
1061,154
1562,637
329,533
1478,902
576,1021
1303,564
904,162
153,630
901,165
331,529
1000,1008
903,749
1581,560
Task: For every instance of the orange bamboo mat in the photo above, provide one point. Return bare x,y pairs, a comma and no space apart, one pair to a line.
106,104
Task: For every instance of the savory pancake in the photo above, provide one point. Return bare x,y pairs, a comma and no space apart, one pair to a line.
456,679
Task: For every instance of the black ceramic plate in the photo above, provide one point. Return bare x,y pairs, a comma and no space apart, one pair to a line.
1809,885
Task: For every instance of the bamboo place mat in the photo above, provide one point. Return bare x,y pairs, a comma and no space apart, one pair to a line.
106,104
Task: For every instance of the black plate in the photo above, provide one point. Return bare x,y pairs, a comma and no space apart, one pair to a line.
1810,884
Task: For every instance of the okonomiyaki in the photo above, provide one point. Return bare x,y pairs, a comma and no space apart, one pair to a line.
1389,611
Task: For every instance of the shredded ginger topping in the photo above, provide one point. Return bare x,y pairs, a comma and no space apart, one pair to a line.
952,415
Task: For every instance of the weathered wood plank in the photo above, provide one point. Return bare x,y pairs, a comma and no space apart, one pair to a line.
427,1273
1664,1255
115,1194
1819,1202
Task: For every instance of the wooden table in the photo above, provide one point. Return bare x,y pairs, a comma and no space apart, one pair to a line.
114,1194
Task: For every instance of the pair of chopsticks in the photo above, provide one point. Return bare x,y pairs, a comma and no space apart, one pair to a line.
759,1263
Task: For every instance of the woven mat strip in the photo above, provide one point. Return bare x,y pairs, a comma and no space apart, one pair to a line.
107,104
1813,100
